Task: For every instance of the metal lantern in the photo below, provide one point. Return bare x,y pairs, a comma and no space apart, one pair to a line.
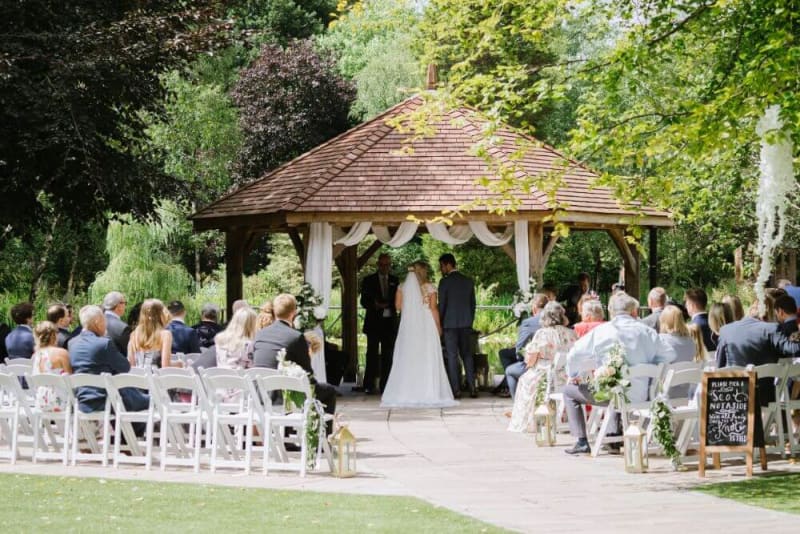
635,443
544,420
343,448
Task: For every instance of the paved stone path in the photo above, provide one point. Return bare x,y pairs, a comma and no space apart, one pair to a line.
463,459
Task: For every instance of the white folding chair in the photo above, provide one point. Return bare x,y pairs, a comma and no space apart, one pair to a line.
177,413
57,423
297,419
124,420
84,425
175,371
789,405
679,390
684,410
12,400
555,385
772,414
25,362
224,414
220,371
139,371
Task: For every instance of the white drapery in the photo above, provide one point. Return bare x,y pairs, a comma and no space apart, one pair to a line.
454,235
356,234
523,257
319,261
489,238
403,235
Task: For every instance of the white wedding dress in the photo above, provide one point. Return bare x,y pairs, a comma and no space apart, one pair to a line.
417,378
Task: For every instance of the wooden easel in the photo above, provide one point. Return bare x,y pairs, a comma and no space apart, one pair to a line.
747,447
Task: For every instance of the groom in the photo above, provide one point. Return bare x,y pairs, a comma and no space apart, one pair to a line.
457,312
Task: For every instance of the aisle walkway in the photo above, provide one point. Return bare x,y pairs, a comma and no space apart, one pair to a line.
462,458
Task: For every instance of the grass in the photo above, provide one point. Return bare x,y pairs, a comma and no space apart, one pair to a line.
68,504
778,492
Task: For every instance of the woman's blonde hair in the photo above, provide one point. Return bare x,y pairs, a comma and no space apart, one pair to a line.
45,334
314,342
719,314
735,304
671,322
422,271
265,315
239,332
699,346
153,319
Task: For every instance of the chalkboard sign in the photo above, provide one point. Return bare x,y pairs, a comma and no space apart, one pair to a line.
727,408
727,417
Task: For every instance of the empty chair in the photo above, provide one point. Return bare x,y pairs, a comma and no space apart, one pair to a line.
790,405
54,417
181,418
772,391
85,424
229,399
125,419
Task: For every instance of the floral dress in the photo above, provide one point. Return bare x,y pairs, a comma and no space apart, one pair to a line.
547,342
48,399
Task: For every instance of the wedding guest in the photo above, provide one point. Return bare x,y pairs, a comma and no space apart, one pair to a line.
116,329
378,292
696,302
235,344
514,359
591,316
656,300
94,354
641,344
786,313
719,314
151,340
735,305
19,342
572,296
49,359
238,305
184,338
61,317
696,334
551,339
208,327
265,315
133,315
675,333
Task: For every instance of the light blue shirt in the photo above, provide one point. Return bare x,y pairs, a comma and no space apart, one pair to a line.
642,345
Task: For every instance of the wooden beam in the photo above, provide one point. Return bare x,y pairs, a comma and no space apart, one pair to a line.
548,249
263,221
630,259
297,241
536,251
508,248
348,267
235,241
652,258
364,258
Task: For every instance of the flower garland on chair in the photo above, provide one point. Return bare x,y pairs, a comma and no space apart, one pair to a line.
662,429
294,400
609,379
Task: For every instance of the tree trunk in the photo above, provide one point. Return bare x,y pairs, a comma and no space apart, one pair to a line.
72,269
38,272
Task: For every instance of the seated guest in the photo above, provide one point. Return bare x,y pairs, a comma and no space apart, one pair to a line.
49,359
19,342
572,295
151,342
513,359
786,313
551,339
208,327
735,304
675,333
696,302
133,315
696,334
235,344
94,354
282,335
117,330
642,345
591,316
184,338
656,300
719,314
265,315
61,317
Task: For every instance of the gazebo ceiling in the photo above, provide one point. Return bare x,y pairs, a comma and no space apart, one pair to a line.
363,175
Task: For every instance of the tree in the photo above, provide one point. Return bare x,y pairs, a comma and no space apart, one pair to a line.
290,100
279,21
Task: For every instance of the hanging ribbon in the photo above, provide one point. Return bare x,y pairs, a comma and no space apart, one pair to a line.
455,235
319,260
523,257
356,234
489,238
403,235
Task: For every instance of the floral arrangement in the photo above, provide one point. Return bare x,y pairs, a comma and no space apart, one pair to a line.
662,429
310,308
521,304
609,378
294,400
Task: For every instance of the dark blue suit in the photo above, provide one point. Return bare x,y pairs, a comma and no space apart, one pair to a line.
184,338
701,320
517,368
456,313
95,355
19,342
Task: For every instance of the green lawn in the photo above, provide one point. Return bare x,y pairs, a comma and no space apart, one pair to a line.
66,504
778,492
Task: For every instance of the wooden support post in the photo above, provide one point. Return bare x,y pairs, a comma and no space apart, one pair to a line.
792,270
630,259
653,257
235,242
348,267
364,258
536,250
299,245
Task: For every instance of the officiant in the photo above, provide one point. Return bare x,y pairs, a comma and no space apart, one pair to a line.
380,323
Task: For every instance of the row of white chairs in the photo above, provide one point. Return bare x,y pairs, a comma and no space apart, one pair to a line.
211,417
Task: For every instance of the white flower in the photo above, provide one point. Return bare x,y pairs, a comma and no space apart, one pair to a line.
281,355
319,313
298,322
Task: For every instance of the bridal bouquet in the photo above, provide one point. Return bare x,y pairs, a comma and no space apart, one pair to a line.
609,378
521,304
310,308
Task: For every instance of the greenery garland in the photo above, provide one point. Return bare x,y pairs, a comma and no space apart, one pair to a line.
293,400
662,429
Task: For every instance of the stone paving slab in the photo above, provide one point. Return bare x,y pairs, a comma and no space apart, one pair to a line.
462,458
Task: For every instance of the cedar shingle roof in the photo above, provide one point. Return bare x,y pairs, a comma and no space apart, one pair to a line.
364,171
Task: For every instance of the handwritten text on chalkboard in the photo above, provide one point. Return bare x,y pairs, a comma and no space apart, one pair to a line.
727,403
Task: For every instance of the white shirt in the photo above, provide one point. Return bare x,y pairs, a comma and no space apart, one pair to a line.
642,345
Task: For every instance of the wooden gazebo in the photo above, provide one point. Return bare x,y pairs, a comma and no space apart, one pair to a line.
364,176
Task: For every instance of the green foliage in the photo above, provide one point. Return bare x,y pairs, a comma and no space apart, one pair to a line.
281,20
772,492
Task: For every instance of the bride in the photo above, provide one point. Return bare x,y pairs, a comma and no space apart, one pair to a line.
417,378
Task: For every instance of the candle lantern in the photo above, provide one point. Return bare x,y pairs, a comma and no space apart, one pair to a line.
544,420
343,449
635,443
